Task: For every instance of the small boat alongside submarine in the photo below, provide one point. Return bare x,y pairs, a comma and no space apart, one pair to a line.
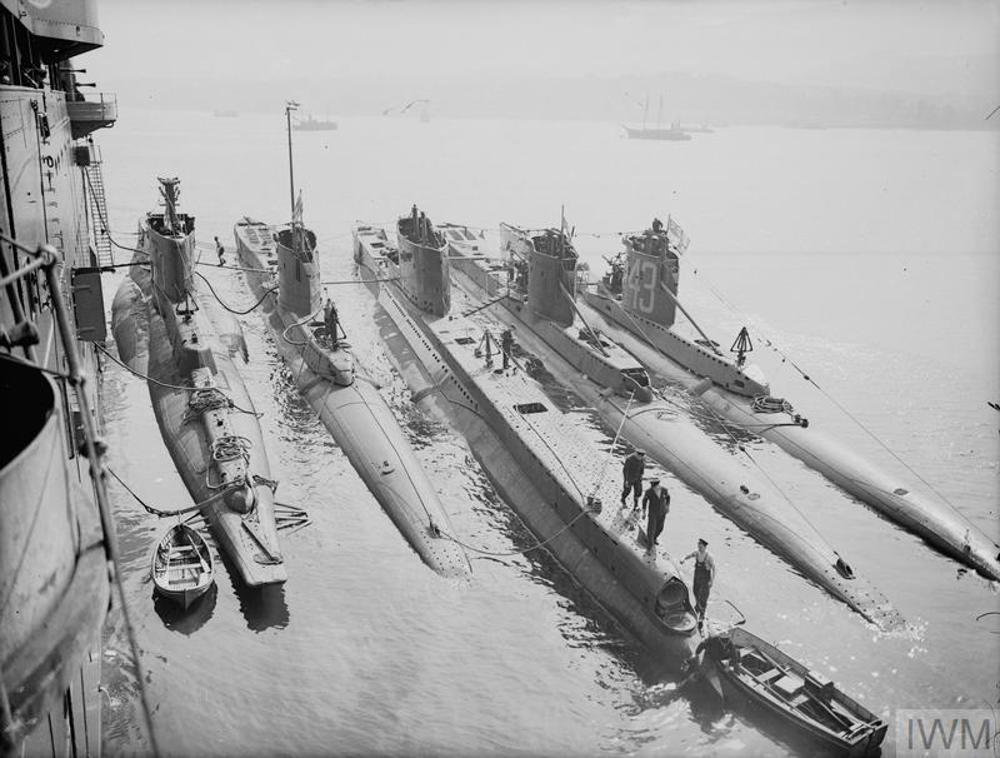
549,473
750,673
183,568
638,301
537,295
166,329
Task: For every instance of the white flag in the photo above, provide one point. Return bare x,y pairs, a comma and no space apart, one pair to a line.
297,210
677,237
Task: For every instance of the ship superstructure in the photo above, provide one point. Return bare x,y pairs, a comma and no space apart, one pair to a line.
57,546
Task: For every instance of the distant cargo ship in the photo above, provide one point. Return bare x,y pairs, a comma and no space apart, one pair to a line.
310,124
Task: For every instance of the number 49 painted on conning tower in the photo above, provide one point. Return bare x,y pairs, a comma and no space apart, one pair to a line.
640,293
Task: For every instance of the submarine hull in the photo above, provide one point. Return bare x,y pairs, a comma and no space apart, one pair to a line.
358,419
242,521
697,460
927,516
447,378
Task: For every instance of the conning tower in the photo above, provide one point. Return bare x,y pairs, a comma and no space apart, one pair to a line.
552,278
172,249
651,266
423,264
298,271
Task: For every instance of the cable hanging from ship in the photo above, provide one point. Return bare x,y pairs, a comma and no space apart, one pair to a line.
168,386
255,479
230,308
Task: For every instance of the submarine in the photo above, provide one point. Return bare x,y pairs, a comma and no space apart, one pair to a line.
540,462
538,296
282,267
169,331
638,301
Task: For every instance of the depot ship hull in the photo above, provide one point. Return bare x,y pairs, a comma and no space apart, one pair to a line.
686,451
529,458
356,415
54,581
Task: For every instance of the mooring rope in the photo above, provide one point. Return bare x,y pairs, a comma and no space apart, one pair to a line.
230,308
148,378
444,535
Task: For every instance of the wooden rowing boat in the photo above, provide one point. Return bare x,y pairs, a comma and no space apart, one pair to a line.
183,568
748,670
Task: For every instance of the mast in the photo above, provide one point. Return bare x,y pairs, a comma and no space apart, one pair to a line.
659,113
290,106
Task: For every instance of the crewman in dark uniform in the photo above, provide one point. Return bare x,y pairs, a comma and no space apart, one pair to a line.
617,276
657,226
506,345
657,502
704,576
632,469
220,251
332,321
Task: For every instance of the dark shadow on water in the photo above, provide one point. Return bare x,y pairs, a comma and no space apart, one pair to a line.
263,607
186,621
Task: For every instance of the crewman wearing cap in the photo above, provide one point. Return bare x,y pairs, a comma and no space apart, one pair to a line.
704,575
632,469
657,501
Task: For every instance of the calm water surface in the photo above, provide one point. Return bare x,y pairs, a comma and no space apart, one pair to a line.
868,257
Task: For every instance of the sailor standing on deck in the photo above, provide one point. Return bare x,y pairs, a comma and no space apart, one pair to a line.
635,464
331,319
657,501
704,576
220,251
506,345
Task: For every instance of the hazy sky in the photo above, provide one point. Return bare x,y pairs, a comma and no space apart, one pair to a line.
929,47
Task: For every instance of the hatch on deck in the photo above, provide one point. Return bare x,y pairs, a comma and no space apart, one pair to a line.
530,408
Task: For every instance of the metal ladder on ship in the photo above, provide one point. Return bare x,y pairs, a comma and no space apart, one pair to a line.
99,210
